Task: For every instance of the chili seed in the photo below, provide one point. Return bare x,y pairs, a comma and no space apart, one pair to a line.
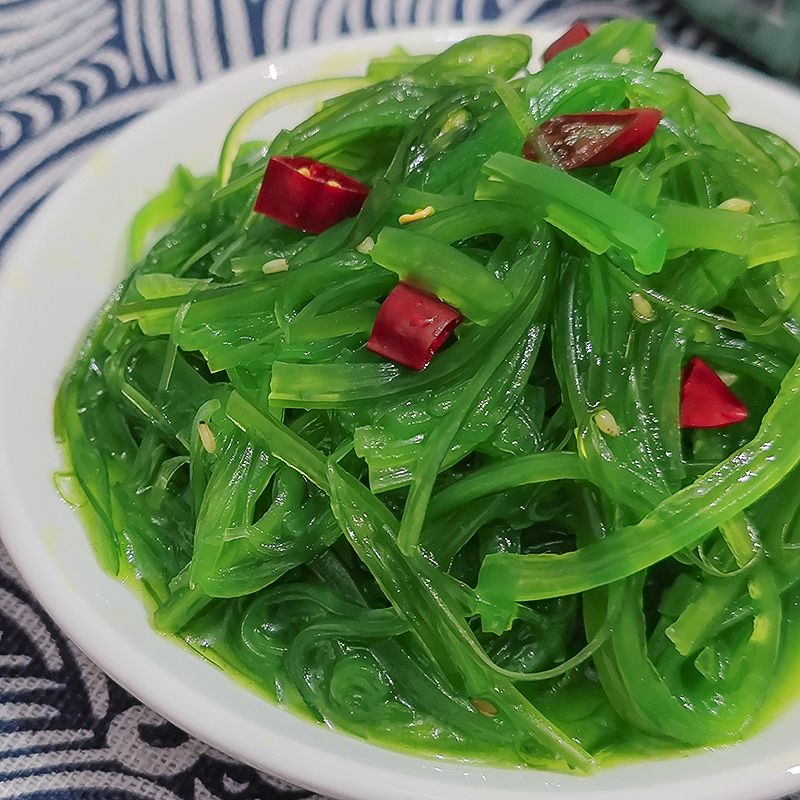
420,213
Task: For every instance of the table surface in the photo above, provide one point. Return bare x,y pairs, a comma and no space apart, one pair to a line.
72,73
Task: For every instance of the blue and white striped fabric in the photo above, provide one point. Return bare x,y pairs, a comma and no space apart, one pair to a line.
72,72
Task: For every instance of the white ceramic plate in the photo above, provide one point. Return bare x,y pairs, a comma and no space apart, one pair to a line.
61,269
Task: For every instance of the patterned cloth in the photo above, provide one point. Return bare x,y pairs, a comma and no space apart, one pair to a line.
73,72
768,29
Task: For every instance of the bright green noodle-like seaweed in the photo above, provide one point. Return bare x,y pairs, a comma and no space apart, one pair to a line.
468,561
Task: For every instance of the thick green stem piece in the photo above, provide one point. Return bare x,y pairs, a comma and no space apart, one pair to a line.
591,217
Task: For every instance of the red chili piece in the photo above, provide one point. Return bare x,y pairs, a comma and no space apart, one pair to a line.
411,326
706,402
593,138
574,36
307,194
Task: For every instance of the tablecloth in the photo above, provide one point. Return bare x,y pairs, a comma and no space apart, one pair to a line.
72,73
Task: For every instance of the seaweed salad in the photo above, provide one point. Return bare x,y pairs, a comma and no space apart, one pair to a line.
463,416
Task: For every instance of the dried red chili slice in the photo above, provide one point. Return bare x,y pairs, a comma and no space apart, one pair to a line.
411,326
574,36
591,139
306,194
706,402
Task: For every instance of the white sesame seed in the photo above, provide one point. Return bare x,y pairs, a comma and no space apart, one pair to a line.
366,246
207,438
622,56
642,310
484,706
457,119
276,265
736,204
606,423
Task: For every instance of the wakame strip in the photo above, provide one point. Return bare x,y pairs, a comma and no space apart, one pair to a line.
518,555
677,522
